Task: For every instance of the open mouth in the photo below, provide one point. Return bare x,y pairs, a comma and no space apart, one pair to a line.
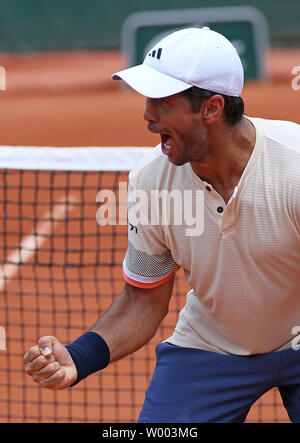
166,143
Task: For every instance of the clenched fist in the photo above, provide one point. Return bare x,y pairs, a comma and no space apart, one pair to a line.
50,364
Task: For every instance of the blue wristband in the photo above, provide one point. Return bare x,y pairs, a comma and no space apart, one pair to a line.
90,354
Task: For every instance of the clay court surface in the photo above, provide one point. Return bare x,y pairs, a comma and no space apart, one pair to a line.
103,117
98,116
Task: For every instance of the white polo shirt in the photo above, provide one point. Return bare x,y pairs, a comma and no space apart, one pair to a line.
241,259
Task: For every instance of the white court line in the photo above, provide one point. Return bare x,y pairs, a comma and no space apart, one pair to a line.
32,242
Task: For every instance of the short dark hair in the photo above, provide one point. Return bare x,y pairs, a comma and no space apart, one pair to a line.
233,106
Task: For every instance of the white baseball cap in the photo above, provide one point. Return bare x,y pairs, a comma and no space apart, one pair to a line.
188,57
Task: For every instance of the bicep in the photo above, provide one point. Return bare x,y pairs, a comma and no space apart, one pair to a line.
156,298
133,318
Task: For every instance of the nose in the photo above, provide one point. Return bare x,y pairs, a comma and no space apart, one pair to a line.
150,114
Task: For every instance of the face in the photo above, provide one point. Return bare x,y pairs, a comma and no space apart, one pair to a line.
183,133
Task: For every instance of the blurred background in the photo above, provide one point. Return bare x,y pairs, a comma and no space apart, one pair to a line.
59,57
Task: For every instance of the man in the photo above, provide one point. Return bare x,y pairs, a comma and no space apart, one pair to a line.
233,339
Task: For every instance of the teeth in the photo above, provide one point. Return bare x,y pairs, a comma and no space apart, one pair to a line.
168,142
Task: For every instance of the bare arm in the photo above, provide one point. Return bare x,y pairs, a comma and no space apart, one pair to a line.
129,323
135,316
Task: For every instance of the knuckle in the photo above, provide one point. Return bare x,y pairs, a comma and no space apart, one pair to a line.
36,378
32,353
54,366
49,383
28,370
38,363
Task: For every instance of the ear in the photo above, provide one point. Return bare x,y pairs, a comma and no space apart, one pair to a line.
213,109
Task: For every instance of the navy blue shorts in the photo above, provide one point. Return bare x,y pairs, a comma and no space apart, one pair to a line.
195,386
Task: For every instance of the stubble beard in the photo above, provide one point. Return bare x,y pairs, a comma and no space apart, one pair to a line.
190,150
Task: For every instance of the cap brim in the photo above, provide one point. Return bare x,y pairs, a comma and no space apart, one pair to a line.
151,83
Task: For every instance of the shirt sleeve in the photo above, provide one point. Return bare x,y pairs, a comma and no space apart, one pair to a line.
148,261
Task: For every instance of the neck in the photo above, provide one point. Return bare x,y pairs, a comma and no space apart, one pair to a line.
228,152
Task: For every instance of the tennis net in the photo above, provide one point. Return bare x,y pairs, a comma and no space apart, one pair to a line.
59,271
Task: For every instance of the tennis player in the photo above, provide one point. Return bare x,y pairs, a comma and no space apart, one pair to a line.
233,339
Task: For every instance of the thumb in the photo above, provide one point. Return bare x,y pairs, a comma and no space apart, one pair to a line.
50,346
46,345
